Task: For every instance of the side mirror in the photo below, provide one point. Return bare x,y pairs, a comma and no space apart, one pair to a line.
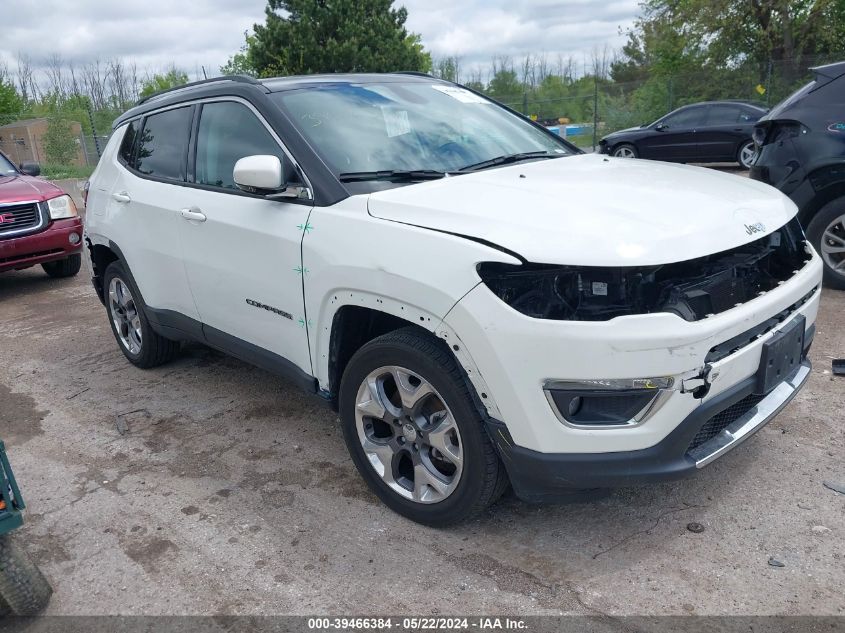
661,126
31,169
266,175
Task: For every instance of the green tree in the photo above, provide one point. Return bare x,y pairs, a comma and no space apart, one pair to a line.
170,79
11,104
322,36
60,142
239,63
505,86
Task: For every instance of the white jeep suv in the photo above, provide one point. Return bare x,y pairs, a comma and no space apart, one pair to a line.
483,303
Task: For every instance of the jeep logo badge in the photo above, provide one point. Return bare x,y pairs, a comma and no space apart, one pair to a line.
759,227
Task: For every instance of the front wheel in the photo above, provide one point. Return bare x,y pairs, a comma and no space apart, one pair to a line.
826,232
414,433
746,153
23,588
626,150
67,267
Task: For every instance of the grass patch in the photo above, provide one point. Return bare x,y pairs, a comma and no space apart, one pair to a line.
61,172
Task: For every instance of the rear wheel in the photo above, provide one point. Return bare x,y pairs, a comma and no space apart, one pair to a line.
626,150
746,153
64,267
414,432
137,340
23,588
827,234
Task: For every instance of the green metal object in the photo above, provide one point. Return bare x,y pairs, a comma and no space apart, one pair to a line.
10,516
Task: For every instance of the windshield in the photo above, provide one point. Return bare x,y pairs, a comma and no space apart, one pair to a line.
410,126
6,167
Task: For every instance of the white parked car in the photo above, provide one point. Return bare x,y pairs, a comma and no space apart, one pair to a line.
482,303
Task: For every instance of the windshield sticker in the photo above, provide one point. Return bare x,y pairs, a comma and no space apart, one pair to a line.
464,96
395,121
837,127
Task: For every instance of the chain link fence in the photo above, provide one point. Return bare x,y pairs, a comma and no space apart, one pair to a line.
586,109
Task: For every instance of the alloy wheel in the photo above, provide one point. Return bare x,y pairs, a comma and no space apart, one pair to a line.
624,152
746,155
833,245
409,435
124,314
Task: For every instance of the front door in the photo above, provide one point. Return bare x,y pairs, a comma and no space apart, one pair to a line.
674,138
242,253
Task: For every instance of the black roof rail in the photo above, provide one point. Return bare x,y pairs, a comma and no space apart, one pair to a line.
245,79
415,73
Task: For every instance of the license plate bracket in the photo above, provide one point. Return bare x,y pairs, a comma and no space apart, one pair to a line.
781,355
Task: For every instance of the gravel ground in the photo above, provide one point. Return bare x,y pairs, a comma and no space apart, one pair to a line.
210,487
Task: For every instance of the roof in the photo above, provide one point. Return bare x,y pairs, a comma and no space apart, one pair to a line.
240,85
23,122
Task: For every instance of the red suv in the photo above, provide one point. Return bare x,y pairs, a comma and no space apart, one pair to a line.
39,223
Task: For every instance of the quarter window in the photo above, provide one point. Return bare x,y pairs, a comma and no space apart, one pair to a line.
228,131
163,144
127,146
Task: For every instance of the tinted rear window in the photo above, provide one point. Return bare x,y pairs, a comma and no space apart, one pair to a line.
163,144
127,146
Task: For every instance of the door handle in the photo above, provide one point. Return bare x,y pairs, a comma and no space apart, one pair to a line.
195,215
121,196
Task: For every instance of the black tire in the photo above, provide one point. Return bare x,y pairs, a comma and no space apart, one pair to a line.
23,588
483,479
626,147
67,267
815,231
154,349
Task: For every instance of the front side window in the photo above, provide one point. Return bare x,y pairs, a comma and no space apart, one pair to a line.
687,118
163,144
408,125
229,131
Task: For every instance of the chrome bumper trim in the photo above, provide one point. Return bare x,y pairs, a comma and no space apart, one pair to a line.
756,418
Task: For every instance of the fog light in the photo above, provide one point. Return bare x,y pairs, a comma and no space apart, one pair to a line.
73,238
606,403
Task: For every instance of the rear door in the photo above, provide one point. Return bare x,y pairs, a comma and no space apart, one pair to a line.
243,254
726,127
674,137
142,207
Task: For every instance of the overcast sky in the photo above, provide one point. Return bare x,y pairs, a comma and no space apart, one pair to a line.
190,33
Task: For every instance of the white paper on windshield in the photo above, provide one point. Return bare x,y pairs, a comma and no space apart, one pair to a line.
395,121
464,96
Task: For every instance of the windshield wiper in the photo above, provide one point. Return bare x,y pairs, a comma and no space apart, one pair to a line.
393,175
507,159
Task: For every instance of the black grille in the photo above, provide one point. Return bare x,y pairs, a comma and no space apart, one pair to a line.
724,419
15,217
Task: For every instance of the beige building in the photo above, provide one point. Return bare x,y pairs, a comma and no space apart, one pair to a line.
23,141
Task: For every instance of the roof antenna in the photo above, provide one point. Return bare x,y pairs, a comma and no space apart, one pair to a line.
204,76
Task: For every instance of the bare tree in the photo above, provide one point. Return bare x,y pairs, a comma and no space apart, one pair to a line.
26,84
95,78
54,70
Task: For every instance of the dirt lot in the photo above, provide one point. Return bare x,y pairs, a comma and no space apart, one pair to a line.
208,486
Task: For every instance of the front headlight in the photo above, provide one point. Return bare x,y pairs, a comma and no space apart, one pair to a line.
61,208
565,292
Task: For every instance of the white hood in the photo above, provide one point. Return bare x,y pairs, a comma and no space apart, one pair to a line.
592,210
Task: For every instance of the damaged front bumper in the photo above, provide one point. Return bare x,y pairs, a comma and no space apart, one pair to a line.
713,366
733,416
